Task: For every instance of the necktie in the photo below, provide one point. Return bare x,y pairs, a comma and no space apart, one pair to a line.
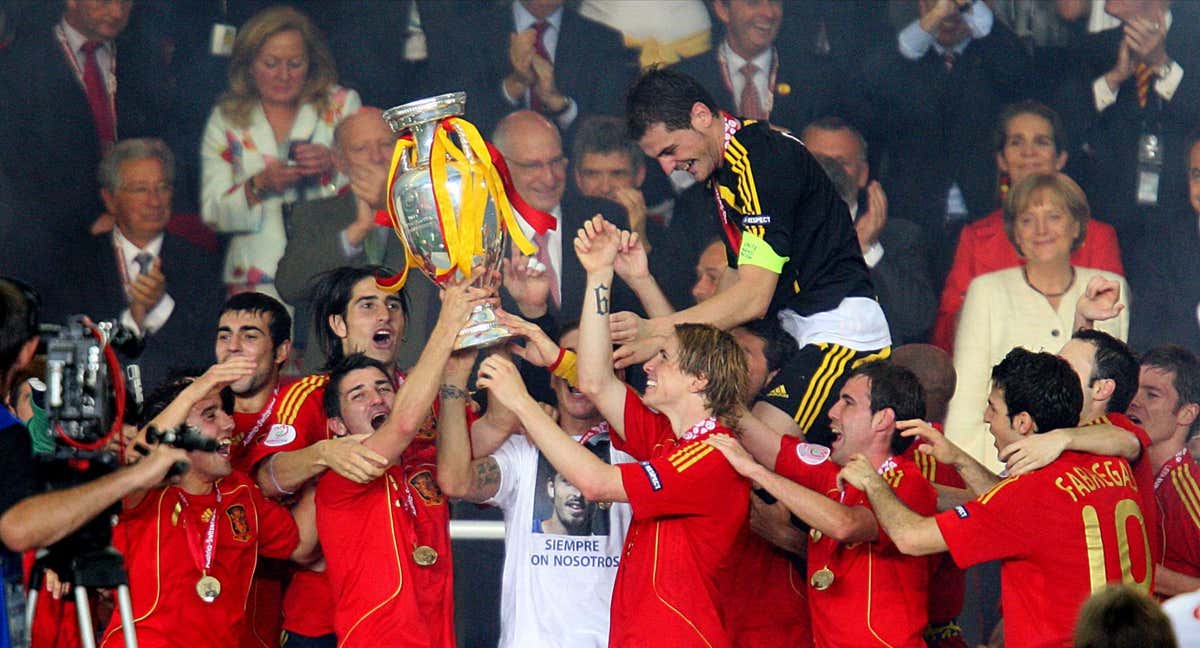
1143,74
97,95
543,257
143,261
539,47
750,106
948,59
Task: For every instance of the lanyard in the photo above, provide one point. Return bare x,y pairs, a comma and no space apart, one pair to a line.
261,419
210,535
732,126
599,428
1171,463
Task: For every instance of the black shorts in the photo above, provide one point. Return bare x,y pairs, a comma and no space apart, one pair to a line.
808,385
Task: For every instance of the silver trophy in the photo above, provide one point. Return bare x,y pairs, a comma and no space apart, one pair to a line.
422,226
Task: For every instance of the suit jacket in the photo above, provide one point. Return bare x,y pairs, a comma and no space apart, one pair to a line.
1166,289
48,142
193,281
314,246
937,126
903,283
1104,144
804,89
591,65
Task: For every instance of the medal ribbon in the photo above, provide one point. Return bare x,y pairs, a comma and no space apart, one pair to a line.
732,126
1174,461
210,535
261,419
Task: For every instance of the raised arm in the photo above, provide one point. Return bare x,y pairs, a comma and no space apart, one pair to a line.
458,475
913,534
415,396
597,245
633,266
977,477
597,480
834,519
1037,450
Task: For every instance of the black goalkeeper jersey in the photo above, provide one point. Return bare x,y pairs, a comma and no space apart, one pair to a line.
772,188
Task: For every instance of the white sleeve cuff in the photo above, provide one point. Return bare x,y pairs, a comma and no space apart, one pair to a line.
980,19
1167,85
1103,95
873,255
349,251
914,41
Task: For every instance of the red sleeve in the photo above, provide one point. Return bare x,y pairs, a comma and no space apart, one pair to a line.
1100,249
277,533
686,482
914,490
991,527
299,422
809,465
644,427
1183,515
962,271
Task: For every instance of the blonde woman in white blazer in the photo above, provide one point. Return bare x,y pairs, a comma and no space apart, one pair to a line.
1032,305
267,142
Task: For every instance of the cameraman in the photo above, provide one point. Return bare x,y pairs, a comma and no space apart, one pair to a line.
29,520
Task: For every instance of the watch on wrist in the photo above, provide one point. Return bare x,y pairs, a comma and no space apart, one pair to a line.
565,107
258,192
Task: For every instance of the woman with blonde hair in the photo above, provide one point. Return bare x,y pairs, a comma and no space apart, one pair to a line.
1032,305
267,142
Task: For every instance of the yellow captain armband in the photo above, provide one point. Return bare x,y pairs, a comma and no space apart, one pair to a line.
564,367
756,252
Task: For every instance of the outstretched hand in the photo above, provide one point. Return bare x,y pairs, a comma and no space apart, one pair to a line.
597,244
500,377
539,350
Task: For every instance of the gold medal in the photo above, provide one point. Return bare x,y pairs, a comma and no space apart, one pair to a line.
208,588
425,555
821,579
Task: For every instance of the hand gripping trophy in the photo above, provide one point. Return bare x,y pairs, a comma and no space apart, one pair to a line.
451,202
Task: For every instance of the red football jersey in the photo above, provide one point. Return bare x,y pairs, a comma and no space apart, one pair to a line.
1143,475
764,600
1178,499
162,540
1062,532
688,507
878,596
947,583
368,536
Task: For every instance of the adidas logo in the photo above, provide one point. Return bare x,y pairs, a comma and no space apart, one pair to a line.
779,392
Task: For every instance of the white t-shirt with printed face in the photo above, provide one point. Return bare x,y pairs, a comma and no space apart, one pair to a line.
557,587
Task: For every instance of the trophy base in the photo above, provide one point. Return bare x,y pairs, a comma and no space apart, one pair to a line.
482,330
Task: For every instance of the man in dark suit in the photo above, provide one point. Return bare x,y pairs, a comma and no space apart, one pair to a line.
789,87
340,230
540,55
1134,81
156,284
893,248
1162,272
65,101
932,101
532,147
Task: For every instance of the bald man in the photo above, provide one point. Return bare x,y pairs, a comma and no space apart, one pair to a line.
340,230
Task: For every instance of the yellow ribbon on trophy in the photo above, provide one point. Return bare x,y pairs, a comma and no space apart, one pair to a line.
462,231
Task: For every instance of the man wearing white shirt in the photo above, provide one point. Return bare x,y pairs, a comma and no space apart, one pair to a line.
160,286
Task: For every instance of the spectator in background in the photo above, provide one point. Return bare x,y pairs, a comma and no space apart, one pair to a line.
894,249
65,102
1045,217
540,55
1029,139
266,145
417,37
155,283
1162,270
607,164
931,101
747,73
711,269
1132,82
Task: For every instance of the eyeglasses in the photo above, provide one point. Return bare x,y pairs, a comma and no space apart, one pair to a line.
142,191
557,164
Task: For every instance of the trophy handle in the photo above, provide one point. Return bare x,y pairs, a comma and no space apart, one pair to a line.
464,144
